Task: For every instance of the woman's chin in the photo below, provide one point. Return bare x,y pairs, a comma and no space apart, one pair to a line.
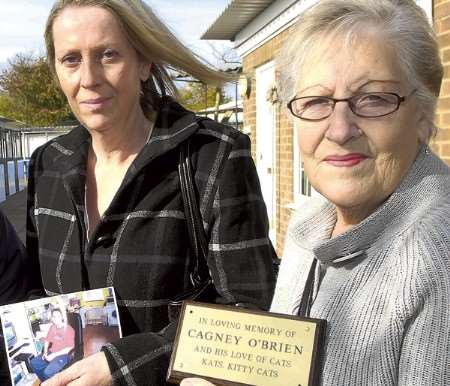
96,124
348,196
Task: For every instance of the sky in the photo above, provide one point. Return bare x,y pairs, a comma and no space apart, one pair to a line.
22,24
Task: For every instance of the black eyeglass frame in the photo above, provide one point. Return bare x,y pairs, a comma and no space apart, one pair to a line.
400,100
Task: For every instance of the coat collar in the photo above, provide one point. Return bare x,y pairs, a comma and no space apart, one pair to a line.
173,125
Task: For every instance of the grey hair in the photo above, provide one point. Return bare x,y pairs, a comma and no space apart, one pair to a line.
401,22
153,41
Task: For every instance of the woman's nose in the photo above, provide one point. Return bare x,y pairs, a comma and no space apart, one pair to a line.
90,74
342,125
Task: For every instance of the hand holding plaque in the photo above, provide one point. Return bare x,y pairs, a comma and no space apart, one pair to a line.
233,346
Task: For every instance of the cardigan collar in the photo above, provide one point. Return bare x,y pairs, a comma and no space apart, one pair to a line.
312,230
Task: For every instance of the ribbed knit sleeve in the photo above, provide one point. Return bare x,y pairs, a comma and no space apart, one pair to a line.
425,351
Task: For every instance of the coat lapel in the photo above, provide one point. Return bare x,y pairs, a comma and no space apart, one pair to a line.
174,125
72,165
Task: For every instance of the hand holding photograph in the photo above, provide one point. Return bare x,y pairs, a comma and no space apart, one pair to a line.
43,337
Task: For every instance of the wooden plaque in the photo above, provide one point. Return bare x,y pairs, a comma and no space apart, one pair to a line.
233,346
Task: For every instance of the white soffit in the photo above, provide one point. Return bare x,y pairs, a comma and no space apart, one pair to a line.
234,18
251,23
276,18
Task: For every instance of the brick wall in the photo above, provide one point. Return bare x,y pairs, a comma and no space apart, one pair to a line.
284,134
441,17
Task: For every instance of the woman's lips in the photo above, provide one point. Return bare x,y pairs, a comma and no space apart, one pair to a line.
96,103
347,160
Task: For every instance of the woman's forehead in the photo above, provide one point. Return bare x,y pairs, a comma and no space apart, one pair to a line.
335,60
81,24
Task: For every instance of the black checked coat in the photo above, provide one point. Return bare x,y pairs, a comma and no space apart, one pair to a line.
141,245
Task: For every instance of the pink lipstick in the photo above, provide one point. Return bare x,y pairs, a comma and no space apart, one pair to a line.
347,160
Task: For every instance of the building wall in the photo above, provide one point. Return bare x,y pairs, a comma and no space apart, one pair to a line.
284,134
285,146
441,17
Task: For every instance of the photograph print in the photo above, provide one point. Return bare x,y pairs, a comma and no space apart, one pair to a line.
43,337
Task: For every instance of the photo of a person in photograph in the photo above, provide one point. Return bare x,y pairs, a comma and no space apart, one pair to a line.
58,344
43,337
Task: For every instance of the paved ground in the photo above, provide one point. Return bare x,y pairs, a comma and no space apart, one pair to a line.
15,207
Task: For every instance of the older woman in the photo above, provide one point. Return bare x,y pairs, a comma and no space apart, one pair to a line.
373,258
105,206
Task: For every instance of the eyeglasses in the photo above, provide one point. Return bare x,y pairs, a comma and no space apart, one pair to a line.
366,105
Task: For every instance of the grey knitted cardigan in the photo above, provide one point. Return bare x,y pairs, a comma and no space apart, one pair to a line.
385,284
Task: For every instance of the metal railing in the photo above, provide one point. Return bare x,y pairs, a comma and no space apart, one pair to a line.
16,147
13,166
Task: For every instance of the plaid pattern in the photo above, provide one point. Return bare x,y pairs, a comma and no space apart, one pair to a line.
141,246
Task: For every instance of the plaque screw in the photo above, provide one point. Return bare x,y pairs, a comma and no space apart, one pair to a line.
307,330
181,365
191,312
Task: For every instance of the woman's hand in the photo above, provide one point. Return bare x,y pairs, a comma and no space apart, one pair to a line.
195,382
91,371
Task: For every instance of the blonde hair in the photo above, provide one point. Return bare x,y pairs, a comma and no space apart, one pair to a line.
154,43
402,23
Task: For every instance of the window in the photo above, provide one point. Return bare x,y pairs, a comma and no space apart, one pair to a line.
302,187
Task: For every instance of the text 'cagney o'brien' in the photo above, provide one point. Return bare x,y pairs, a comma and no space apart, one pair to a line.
231,339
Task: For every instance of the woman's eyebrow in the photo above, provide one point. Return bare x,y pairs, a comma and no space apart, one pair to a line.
371,81
314,86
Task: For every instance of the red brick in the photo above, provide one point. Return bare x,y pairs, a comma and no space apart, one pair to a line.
445,55
444,121
442,25
443,104
444,40
441,10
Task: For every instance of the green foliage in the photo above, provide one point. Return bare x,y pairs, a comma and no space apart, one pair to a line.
30,94
5,104
193,96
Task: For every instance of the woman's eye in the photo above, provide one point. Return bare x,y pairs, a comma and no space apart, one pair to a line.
375,98
109,55
70,60
371,98
316,102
